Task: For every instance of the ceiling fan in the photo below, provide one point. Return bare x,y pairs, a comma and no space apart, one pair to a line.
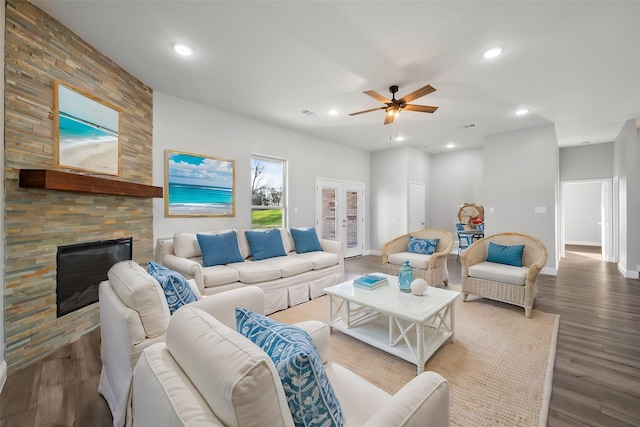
393,106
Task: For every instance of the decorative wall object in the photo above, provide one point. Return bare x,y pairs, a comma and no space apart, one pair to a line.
86,132
198,185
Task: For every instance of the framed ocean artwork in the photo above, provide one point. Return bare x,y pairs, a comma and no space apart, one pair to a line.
198,185
86,132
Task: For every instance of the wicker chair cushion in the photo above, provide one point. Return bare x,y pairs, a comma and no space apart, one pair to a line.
415,260
499,273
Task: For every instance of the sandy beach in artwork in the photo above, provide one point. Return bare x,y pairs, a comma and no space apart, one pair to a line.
199,209
101,156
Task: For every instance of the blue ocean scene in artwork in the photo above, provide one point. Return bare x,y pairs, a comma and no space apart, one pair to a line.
199,185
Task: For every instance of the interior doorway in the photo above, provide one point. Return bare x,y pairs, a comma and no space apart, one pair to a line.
340,214
587,217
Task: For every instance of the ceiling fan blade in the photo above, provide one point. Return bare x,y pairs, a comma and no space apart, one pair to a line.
388,118
377,96
418,93
367,111
420,108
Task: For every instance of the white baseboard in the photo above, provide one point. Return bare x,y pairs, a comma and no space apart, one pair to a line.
629,274
372,252
581,243
549,270
3,374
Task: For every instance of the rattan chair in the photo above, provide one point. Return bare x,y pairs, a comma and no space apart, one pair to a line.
434,270
534,257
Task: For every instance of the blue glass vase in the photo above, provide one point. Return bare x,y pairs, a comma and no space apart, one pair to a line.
405,277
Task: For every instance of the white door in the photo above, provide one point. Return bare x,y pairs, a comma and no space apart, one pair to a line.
416,206
340,214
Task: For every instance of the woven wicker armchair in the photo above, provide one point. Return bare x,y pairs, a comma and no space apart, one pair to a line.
433,270
534,257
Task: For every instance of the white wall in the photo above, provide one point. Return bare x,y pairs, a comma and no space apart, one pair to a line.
625,166
520,175
456,178
582,213
181,125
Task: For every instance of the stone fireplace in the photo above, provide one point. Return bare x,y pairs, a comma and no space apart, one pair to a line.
39,51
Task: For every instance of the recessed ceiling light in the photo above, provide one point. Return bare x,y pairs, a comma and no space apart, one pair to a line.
399,138
333,112
182,49
492,53
450,145
522,112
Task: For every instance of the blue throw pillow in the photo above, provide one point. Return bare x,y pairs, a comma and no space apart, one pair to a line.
311,398
423,246
265,244
175,286
510,255
306,240
219,249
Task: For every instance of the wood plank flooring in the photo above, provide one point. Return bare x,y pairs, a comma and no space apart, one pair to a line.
596,377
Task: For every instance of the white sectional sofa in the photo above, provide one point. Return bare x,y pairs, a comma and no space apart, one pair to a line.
286,280
208,374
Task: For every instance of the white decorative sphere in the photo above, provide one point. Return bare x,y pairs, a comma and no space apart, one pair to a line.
418,287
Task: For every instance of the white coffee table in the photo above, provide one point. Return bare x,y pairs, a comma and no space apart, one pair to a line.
405,325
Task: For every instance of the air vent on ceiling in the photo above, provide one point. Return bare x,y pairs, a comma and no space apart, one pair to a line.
472,125
309,113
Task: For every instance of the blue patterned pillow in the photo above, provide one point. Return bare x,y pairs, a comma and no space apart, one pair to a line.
423,246
311,398
176,288
265,244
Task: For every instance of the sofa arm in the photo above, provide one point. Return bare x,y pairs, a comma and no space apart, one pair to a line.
188,268
319,332
331,246
424,401
223,305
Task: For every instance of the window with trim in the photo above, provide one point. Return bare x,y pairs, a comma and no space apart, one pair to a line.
268,192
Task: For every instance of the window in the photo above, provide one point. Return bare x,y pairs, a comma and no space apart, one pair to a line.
268,192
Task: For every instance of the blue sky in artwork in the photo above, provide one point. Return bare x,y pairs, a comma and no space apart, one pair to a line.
201,171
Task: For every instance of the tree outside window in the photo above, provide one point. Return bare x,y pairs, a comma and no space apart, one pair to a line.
267,193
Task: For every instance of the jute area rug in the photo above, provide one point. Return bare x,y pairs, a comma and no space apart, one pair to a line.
499,369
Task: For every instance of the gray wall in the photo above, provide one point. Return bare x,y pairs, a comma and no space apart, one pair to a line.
582,214
456,178
186,126
521,174
391,172
586,162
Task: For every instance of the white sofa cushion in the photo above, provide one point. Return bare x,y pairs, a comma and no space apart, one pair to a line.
415,260
287,240
142,293
499,273
319,259
219,275
255,272
288,265
244,389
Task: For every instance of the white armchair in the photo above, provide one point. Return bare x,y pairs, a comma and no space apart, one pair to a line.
208,374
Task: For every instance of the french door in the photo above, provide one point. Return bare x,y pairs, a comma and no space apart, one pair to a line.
340,214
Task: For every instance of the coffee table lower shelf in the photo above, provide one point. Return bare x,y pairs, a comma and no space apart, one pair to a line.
396,336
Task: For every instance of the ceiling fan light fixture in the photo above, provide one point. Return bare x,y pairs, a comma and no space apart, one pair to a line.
522,112
492,53
333,112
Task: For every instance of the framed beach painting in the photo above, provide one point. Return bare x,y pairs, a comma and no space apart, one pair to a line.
198,185
86,132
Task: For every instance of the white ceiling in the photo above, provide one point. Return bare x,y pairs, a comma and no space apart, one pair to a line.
574,63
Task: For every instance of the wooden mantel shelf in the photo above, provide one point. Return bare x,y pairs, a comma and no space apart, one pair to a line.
65,181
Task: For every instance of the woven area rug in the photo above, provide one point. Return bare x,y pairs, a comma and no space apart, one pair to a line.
499,369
